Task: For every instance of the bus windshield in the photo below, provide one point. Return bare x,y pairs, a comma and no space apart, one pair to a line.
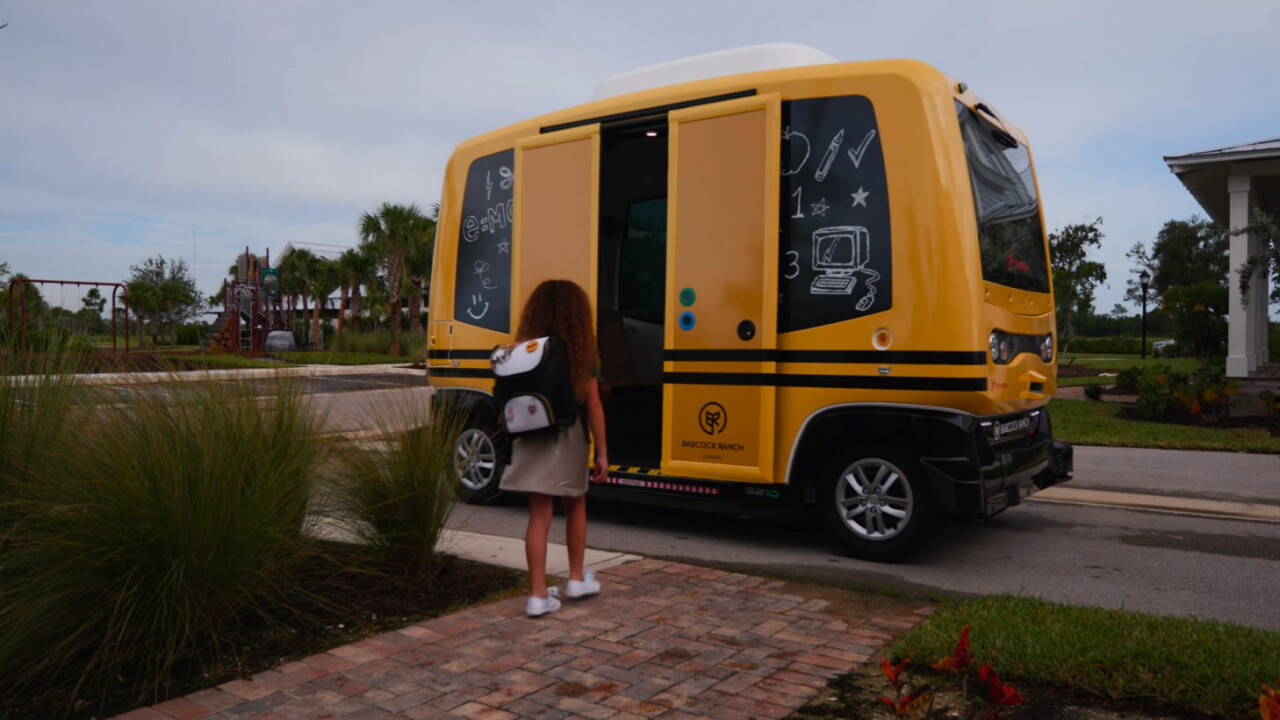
1004,195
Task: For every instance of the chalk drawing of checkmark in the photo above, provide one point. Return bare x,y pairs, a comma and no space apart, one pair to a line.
856,154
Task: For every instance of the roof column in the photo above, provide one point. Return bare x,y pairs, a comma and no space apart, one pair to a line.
1243,331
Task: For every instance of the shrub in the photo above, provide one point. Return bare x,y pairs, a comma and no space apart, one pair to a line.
400,492
378,342
1127,379
167,521
1155,390
1093,392
1208,393
192,333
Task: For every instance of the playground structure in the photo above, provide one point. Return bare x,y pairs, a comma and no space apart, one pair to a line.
20,284
251,309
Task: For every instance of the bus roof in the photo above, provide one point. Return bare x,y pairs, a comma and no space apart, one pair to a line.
771,56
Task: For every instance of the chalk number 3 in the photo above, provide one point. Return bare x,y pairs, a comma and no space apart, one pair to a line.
793,265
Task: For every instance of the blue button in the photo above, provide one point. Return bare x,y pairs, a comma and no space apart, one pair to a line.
687,320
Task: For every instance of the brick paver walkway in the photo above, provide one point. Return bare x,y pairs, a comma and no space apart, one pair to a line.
663,640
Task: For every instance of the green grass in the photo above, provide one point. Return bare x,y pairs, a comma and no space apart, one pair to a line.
214,362
1081,422
1116,362
340,358
1192,665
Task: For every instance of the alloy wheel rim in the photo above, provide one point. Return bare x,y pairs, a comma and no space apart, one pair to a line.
874,499
475,459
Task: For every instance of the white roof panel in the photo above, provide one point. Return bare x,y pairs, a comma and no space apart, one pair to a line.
754,58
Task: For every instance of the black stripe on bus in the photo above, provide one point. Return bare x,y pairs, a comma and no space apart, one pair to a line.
860,382
459,354
486,373
870,357
646,112
882,357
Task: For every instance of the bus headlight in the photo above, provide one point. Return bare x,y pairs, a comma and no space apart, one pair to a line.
1001,348
1046,348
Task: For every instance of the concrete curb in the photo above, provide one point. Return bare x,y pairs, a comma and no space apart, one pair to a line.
1187,506
235,374
509,552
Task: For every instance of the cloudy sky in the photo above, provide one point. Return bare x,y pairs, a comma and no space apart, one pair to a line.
134,128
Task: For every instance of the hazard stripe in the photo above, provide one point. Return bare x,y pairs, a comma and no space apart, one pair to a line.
660,485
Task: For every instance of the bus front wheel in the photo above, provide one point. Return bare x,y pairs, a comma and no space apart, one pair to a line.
876,505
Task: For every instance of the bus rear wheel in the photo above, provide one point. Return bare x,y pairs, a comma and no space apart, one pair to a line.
876,505
479,456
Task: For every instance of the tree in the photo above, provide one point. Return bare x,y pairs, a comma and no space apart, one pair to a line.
417,268
94,301
323,281
1266,226
1184,253
179,302
1075,276
1200,317
390,233
354,268
142,297
295,275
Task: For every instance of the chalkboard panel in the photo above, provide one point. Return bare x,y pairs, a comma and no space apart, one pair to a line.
482,287
835,262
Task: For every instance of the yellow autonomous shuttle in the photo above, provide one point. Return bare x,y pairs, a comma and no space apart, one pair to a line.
823,285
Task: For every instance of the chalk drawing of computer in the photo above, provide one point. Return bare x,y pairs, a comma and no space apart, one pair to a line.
838,252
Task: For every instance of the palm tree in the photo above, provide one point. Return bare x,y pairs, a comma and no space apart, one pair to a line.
391,231
142,297
295,273
169,295
323,281
417,268
354,267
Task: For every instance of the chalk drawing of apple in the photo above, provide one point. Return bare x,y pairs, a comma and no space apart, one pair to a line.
796,151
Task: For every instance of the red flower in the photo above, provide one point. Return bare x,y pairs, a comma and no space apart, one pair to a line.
997,693
1269,702
960,661
909,702
894,673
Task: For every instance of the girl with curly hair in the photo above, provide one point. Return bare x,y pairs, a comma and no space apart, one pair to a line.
554,464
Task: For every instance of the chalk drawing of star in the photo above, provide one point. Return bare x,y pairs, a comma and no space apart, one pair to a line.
860,197
820,208
504,248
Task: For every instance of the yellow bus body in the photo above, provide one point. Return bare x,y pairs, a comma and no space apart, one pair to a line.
746,379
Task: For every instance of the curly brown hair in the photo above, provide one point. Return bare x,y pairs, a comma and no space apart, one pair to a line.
562,307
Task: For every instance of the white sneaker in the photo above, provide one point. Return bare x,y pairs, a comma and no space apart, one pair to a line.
585,587
541,606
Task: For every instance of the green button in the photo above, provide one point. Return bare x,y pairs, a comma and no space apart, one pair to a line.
687,296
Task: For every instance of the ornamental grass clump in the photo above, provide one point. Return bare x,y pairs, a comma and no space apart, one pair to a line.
176,514
395,492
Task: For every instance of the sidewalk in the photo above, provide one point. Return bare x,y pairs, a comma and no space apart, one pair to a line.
663,639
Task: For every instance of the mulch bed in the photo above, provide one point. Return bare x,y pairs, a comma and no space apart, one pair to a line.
357,605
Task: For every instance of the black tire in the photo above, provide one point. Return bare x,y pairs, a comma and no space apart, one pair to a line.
876,504
480,454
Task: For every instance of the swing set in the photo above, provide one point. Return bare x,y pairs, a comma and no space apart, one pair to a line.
20,284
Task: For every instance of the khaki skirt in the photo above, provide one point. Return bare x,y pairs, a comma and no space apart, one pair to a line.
551,463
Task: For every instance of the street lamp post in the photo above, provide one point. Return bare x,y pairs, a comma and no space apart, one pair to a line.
1144,278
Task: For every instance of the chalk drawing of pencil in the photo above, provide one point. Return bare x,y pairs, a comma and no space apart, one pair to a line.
830,157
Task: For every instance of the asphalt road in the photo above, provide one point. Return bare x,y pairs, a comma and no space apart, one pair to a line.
1168,564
